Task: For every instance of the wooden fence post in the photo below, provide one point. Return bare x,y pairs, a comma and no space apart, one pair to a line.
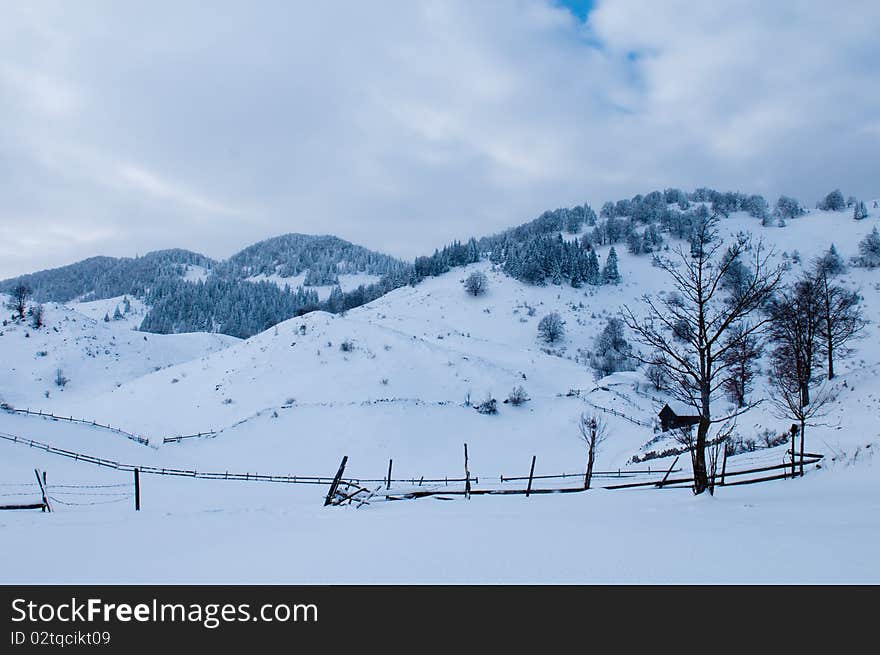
335,484
467,475
137,490
663,481
388,481
531,475
46,506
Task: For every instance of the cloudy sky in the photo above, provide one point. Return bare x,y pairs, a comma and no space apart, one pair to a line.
402,124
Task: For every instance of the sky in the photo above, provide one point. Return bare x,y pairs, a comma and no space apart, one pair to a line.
404,124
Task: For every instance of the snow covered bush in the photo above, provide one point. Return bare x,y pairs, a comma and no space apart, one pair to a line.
346,346
488,406
517,396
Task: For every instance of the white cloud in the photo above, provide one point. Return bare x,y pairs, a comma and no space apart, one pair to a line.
404,124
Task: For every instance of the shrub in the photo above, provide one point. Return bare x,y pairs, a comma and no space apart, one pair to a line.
60,379
517,396
488,406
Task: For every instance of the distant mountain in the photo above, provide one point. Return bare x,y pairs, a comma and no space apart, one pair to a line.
236,296
275,279
97,278
322,258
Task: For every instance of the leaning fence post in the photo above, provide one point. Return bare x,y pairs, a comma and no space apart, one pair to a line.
388,481
335,484
46,506
531,475
663,481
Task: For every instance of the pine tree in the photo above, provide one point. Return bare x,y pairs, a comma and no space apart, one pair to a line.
610,274
869,250
860,211
591,273
117,315
106,317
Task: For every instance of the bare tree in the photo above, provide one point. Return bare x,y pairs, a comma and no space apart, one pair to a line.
794,329
551,328
593,432
36,314
20,293
702,314
476,283
740,359
656,374
840,315
687,438
787,402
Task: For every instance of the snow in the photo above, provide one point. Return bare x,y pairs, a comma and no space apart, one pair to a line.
94,355
290,401
196,273
347,281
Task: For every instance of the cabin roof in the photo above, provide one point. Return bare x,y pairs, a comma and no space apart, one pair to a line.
681,409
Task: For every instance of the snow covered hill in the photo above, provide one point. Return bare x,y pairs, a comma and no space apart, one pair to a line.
76,355
398,379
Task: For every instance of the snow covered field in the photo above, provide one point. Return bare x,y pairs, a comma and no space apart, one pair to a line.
389,380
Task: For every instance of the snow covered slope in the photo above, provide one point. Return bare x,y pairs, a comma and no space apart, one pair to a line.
390,380
93,355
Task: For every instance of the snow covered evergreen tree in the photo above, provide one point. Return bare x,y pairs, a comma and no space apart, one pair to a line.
611,351
788,208
610,274
832,202
860,211
869,250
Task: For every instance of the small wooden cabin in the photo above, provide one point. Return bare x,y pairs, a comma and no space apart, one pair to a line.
677,415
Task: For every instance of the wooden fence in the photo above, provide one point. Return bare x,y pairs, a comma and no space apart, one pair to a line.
350,490
70,419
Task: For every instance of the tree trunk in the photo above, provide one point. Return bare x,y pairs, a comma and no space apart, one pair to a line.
589,476
701,477
830,361
803,428
805,394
